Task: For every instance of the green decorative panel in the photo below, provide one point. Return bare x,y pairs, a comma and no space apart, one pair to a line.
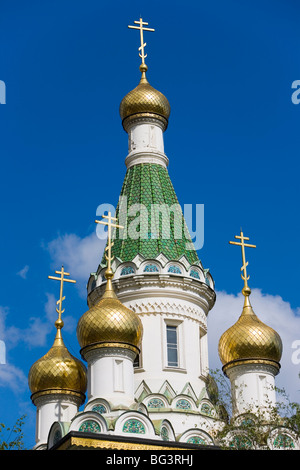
196,440
183,405
241,443
90,426
164,433
156,403
134,426
206,409
99,409
282,441
149,184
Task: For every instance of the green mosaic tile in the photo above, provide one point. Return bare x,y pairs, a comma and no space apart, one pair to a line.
150,184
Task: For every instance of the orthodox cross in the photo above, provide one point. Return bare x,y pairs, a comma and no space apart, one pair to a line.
110,223
142,28
62,279
245,264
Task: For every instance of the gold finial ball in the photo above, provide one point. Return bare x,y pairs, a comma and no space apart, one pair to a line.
246,291
143,68
59,323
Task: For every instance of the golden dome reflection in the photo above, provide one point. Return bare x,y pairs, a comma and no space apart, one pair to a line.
58,372
249,340
109,323
144,100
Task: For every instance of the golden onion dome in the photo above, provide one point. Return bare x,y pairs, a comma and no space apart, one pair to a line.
58,372
249,340
144,100
109,323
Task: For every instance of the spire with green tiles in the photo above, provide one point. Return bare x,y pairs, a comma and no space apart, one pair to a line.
147,189
152,218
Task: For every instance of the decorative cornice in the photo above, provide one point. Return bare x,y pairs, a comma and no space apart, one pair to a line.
47,396
110,347
146,117
138,157
137,287
251,364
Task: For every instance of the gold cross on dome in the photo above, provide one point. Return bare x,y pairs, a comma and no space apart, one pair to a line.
245,264
142,28
110,223
62,279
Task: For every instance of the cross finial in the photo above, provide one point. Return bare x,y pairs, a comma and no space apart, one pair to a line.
59,323
141,26
110,223
246,289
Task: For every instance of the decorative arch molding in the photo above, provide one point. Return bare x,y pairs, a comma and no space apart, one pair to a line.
99,405
156,402
164,429
135,423
57,431
184,402
89,421
196,436
167,390
207,408
283,439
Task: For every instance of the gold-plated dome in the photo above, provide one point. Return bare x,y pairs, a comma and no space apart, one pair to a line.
249,340
144,100
109,323
58,371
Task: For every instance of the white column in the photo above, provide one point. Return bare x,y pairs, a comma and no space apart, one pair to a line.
52,408
146,142
253,387
110,375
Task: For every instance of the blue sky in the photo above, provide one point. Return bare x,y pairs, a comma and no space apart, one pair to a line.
233,143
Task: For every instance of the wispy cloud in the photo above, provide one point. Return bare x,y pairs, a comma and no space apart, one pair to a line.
23,272
274,312
12,377
80,256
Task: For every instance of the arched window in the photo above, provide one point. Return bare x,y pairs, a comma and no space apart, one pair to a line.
164,433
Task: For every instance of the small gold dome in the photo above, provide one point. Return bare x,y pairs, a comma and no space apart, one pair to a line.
249,340
58,372
144,100
109,324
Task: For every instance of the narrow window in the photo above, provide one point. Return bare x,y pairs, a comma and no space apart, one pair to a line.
172,346
136,362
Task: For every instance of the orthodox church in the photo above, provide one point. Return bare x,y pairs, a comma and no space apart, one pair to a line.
143,380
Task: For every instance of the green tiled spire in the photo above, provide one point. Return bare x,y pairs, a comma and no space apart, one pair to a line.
149,184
